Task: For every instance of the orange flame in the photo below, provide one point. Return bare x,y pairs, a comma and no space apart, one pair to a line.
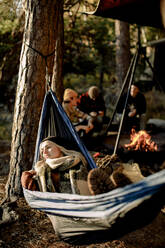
141,141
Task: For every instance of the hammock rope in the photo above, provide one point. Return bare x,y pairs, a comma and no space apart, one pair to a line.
45,57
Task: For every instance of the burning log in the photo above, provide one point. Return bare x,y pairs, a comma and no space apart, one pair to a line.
141,141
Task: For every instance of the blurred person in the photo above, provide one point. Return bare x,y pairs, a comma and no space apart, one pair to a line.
92,103
135,116
82,122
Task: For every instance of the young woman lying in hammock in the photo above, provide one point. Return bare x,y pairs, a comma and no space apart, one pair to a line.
66,171
55,166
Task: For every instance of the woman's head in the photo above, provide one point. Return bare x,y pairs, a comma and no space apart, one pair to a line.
49,149
55,147
70,96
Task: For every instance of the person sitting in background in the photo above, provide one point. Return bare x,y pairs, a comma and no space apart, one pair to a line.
92,103
82,122
135,116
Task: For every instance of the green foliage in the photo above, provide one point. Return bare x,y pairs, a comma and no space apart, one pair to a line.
7,26
88,46
9,23
152,33
5,131
79,82
8,16
5,123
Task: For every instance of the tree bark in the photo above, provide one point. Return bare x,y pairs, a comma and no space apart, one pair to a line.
57,80
122,50
39,42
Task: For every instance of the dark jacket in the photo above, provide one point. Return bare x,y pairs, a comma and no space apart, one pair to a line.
87,105
138,103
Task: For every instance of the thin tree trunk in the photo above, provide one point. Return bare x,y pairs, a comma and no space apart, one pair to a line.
39,35
57,81
101,76
122,50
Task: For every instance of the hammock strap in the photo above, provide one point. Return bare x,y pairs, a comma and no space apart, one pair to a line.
47,78
45,57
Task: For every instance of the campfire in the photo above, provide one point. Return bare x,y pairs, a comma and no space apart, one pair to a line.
141,141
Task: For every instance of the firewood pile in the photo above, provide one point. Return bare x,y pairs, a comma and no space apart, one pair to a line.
120,173
112,173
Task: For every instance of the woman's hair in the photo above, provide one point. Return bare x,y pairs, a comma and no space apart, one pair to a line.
69,94
60,143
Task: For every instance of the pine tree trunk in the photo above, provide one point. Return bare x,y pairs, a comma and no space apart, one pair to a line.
39,35
122,50
57,80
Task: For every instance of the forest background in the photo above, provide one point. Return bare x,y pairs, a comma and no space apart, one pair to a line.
90,56
87,50
95,51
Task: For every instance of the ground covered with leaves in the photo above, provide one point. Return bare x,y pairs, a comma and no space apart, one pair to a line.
33,229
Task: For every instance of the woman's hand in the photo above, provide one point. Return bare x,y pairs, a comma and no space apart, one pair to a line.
28,181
